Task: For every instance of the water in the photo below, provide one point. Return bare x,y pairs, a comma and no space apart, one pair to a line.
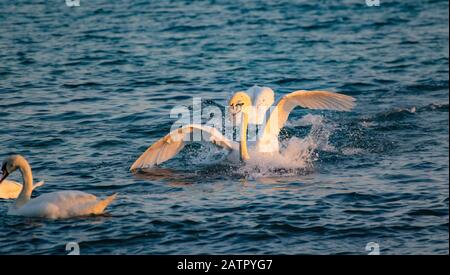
85,90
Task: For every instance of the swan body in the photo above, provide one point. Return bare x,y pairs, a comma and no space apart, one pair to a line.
10,189
62,204
55,205
254,106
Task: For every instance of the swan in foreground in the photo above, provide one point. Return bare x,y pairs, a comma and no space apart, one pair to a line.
248,107
55,205
10,189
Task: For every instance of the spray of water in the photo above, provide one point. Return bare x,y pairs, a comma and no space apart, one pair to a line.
297,155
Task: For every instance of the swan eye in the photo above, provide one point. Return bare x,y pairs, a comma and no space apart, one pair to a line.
236,108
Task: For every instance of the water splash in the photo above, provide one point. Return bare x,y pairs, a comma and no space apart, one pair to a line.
297,155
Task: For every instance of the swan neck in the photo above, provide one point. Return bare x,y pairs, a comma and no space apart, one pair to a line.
243,140
27,188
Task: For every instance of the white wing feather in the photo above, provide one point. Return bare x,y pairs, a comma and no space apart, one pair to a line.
168,146
321,100
10,189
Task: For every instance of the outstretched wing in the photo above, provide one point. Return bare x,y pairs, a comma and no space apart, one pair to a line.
321,100
168,146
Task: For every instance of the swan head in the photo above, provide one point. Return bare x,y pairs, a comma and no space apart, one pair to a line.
11,164
240,102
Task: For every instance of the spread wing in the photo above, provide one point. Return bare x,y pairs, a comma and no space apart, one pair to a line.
168,146
321,100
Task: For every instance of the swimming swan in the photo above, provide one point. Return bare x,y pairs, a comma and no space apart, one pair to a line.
55,205
247,108
10,189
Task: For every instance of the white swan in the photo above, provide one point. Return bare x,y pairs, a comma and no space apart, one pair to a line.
247,108
55,205
10,189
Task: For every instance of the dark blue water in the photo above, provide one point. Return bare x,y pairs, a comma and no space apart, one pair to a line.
85,90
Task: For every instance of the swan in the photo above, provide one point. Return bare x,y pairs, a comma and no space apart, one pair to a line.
246,107
10,189
54,205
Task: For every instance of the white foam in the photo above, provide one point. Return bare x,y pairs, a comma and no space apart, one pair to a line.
297,155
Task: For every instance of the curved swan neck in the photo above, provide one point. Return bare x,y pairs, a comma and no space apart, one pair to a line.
27,177
243,152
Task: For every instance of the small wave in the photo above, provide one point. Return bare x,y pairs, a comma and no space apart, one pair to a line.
42,143
108,143
354,197
435,107
429,212
427,86
396,114
186,28
287,81
78,85
23,104
113,62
